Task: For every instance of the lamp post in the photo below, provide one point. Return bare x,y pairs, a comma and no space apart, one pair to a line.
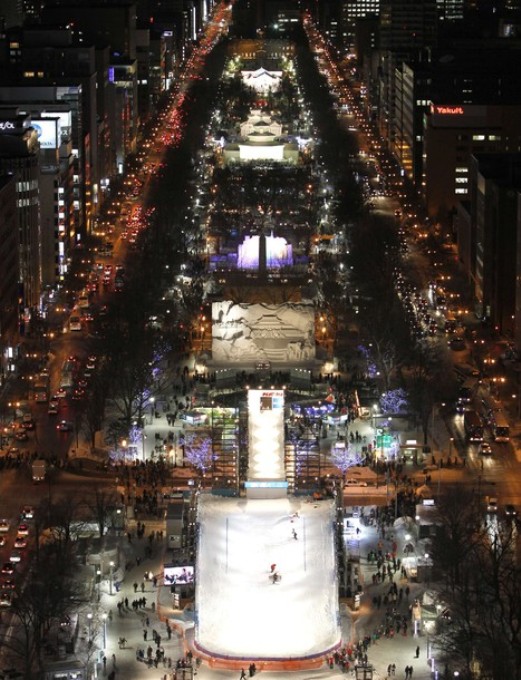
89,623
152,402
98,579
111,576
15,405
104,618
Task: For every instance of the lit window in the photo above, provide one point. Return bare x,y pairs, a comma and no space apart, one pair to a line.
462,180
462,171
461,191
478,138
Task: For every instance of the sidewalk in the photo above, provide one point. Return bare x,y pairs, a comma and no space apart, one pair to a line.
399,649
131,623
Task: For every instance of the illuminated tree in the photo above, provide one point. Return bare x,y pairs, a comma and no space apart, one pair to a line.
199,453
394,401
345,458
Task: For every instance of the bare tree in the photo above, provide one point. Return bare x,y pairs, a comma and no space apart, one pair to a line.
102,505
48,596
481,596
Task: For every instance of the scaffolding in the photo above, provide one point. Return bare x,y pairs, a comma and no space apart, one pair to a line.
225,436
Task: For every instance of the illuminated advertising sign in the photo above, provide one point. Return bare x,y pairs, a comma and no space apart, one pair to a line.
173,574
47,132
6,125
64,118
447,110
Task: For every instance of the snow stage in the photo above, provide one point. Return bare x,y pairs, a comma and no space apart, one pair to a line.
241,613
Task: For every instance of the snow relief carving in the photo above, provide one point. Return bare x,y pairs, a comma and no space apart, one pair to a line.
257,332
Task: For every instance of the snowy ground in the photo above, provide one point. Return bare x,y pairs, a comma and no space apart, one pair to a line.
240,612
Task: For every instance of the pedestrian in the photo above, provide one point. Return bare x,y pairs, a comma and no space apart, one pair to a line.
104,663
410,671
147,621
294,533
406,672
243,675
145,634
135,587
114,660
142,587
418,652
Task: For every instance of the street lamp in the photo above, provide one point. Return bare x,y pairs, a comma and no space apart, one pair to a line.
104,618
89,623
98,579
152,402
15,405
111,576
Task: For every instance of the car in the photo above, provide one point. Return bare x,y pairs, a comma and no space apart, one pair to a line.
53,408
4,526
60,394
23,530
21,436
8,568
485,449
457,344
492,505
355,482
16,557
28,425
27,512
6,599
461,406
510,510
7,584
2,541
20,543
64,426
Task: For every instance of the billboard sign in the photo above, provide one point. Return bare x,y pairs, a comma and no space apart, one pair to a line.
47,132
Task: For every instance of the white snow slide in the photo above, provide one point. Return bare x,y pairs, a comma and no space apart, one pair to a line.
240,611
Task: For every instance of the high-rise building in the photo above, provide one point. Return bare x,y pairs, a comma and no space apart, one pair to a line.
452,135
9,266
493,237
19,158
